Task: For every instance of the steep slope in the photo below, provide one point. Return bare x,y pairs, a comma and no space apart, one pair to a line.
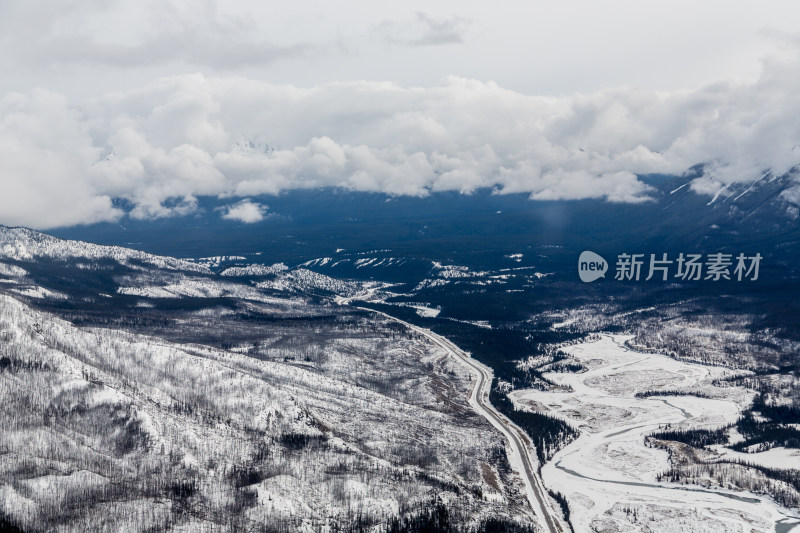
320,422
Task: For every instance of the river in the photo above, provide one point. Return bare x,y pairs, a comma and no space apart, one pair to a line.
609,475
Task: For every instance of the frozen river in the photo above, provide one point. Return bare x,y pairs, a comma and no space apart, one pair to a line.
609,475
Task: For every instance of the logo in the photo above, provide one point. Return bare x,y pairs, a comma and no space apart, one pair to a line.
591,266
685,267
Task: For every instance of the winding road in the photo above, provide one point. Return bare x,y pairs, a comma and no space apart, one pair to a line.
521,446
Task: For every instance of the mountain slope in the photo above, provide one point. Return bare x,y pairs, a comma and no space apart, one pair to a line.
323,418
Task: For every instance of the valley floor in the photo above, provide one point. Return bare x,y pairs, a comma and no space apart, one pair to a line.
609,475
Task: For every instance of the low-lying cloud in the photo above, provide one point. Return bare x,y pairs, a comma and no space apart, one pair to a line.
163,145
245,211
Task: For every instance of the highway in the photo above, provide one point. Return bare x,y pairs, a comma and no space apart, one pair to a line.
520,445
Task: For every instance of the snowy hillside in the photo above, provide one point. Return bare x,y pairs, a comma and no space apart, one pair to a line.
22,244
295,426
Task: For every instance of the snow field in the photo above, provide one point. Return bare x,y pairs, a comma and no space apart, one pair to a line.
609,475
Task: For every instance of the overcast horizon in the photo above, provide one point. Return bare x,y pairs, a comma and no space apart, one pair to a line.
158,103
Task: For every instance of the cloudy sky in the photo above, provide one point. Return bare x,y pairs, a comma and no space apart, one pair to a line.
159,102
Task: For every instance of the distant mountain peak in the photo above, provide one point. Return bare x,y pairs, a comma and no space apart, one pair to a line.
252,145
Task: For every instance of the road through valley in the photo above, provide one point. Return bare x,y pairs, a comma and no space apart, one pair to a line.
521,448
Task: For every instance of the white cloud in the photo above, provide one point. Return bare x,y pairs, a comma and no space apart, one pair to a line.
245,211
163,145
45,157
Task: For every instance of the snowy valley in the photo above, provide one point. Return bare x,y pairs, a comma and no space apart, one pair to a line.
225,394
290,413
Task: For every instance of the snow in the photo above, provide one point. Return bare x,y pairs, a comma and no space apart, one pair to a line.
365,262
355,375
772,458
303,279
455,271
423,310
717,194
217,260
41,293
564,323
360,378
673,191
200,288
429,283
320,261
255,270
485,324
12,271
426,311
750,188
49,485
25,245
609,475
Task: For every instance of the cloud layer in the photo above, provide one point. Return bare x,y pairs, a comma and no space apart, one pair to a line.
163,145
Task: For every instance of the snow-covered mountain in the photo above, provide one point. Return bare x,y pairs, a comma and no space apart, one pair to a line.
766,205
22,244
202,402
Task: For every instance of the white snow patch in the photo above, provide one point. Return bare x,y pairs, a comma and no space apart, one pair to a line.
40,292
255,270
12,271
673,191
